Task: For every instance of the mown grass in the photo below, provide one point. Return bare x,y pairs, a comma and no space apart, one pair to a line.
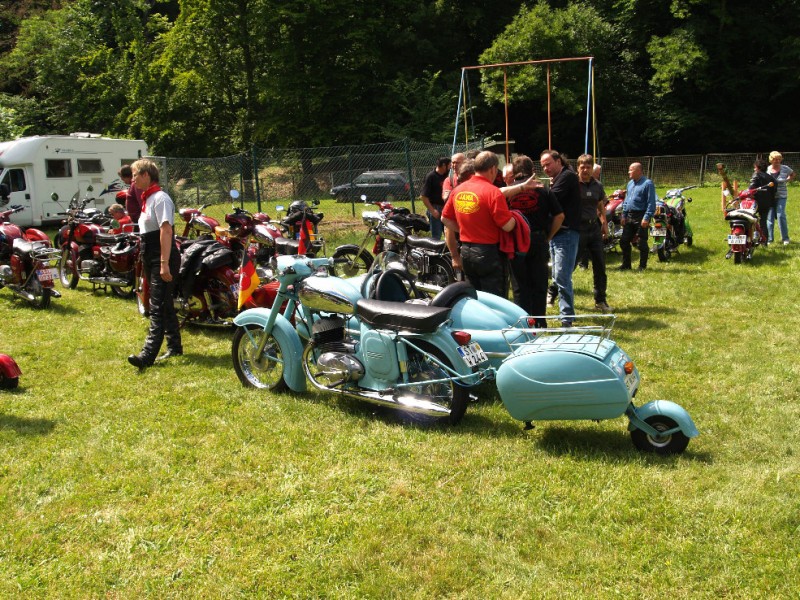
180,483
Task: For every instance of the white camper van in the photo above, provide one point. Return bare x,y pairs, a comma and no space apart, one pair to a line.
33,168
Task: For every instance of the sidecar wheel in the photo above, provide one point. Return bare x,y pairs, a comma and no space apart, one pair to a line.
357,264
674,444
264,371
423,370
68,275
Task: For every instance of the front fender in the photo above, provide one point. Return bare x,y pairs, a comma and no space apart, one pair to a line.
289,341
666,408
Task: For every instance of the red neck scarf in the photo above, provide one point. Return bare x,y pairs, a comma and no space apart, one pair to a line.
151,190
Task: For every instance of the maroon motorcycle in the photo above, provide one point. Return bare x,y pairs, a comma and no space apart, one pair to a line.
28,262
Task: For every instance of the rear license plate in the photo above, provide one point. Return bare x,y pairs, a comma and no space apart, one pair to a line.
47,274
472,354
658,232
631,381
737,239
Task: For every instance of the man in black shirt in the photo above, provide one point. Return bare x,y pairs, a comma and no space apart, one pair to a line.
431,195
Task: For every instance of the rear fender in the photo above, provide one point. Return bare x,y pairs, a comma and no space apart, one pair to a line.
665,408
442,340
287,337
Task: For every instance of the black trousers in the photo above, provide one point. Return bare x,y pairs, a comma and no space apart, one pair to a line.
485,268
163,319
529,275
632,227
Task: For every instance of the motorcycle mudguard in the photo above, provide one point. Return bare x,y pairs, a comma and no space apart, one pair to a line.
8,367
442,340
287,337
669,409
36,235
472,316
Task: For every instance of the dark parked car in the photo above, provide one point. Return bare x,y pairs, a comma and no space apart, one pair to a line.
377,186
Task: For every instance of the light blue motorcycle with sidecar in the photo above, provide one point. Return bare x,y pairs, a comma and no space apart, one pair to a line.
541,374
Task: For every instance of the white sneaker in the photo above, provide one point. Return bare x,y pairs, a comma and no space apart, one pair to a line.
785,242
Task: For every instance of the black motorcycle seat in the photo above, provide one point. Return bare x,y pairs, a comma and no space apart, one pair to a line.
741,213
438,246
416,318
287,247
25,247
453,293
110,238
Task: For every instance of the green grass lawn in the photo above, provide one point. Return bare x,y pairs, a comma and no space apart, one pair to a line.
178,482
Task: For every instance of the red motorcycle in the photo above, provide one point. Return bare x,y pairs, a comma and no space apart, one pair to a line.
88,251
614,219
742,214
196,224
9,372
28,262
251,233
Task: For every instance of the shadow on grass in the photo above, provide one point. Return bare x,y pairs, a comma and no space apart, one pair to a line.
25,426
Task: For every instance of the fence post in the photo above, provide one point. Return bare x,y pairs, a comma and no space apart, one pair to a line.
256,178
407,148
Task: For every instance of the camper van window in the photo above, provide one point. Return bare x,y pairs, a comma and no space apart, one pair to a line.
90,165
15,180
58,167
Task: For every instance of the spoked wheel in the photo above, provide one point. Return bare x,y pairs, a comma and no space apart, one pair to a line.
440,272
67,270
141,303
672,444
357,263
423,371
41,295
259,370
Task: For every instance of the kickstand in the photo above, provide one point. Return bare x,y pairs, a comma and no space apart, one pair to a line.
528,426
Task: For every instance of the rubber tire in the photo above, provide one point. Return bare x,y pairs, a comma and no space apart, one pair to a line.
242,362
125,292
737,258
361,263
663,254
41,296
137,285
689,241
460,395
441,272
8,383
675,444
68,279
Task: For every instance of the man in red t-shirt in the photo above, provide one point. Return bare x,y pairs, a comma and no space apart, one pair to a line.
478,210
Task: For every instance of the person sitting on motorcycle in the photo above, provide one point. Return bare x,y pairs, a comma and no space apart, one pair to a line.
764,198
122,219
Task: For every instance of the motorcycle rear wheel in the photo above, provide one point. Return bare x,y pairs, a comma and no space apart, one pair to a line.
440,272
737,257
263,372
68,275
422,369
125,291
357,264
663,254
41,295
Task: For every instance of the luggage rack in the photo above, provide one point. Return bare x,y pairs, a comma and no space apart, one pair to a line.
595,330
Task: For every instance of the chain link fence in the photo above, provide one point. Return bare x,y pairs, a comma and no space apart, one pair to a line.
394,171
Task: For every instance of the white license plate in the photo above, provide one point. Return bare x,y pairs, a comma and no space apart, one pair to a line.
47,274
737,239
472,354
631,381
235,289
658,232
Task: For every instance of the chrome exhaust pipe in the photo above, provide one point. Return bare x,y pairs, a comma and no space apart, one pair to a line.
401,400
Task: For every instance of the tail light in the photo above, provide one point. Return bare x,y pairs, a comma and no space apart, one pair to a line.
462,338
628,367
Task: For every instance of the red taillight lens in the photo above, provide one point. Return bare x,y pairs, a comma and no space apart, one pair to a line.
462,338
531,322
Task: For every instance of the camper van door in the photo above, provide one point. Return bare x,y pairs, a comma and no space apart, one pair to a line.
18,182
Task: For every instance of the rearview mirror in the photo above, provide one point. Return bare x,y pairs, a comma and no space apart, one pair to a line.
234,194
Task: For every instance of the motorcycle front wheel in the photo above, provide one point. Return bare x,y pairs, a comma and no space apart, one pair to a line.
264,370
357,263
423,371
67,273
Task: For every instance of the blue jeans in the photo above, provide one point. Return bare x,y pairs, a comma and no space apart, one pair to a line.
564,252
437,228
780,208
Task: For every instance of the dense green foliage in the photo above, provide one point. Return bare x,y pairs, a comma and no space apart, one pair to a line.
212,77
180,483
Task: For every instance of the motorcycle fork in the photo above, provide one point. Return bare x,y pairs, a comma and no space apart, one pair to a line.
282,295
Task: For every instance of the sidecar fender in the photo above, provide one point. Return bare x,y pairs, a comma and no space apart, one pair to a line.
288,339
666,408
